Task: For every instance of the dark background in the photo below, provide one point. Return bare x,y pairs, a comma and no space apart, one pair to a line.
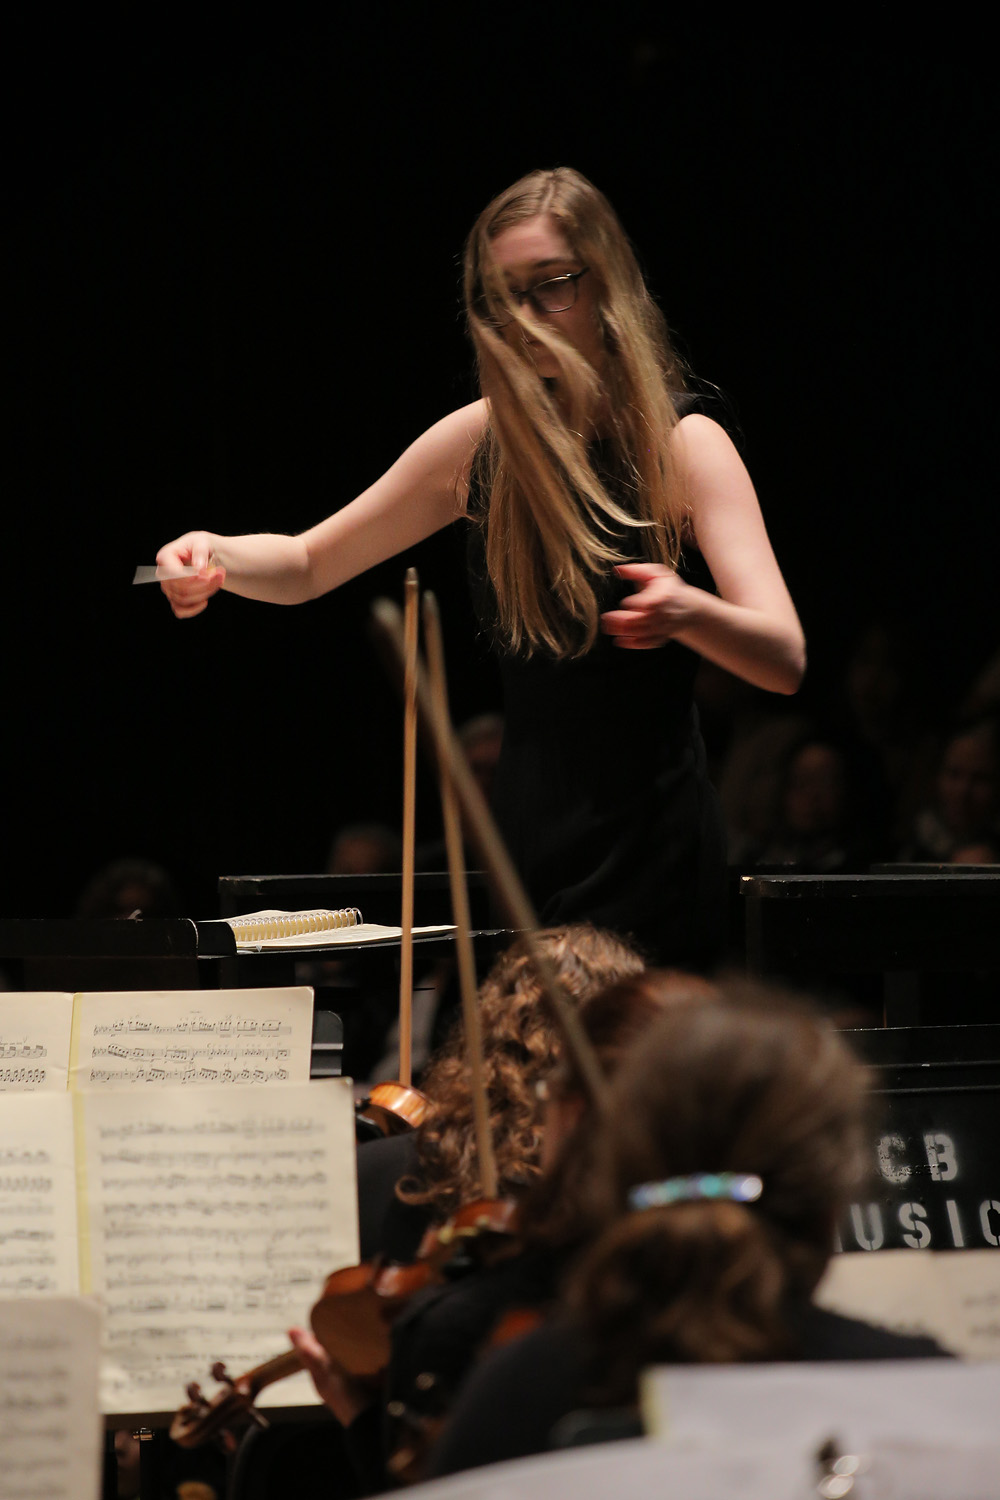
233,299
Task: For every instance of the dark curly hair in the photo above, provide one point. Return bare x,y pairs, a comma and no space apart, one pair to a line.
557,1210
521,1045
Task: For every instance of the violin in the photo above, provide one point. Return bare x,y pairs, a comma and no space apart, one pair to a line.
227,1414
353,1318
352,1321
486,1226
479,1235
390,1109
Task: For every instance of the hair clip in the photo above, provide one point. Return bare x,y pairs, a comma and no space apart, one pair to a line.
738,1187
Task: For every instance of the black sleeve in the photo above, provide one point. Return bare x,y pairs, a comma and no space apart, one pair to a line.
363,1441
824,1335
705,400
387,1226
511,1402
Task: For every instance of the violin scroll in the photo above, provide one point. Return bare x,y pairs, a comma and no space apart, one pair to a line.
224,1417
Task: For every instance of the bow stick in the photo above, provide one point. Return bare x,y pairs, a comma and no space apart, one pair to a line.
468,989
409,827
507,886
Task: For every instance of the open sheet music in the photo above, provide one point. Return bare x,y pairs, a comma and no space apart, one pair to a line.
211,1221
162,1038
204,1219
34,1041
50,1428
154,1038
38,1228
954,1296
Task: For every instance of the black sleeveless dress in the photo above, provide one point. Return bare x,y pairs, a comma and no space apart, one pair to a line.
601,792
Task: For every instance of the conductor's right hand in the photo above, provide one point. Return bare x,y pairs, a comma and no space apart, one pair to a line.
190,594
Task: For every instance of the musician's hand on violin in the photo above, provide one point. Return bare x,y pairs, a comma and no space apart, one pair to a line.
662,606
345,1397
190,594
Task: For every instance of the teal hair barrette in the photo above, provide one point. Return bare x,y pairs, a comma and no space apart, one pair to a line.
738,1187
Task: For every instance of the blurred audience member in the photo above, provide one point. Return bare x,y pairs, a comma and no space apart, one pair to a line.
480,738
365,849
961,822
750,786
127,888
984,695
820,828
884,711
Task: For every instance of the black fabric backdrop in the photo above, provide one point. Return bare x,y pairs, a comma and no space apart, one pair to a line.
234,299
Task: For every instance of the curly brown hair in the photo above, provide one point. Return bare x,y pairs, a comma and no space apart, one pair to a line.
521,1044
557,1211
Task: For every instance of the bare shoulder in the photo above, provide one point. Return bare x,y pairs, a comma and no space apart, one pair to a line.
448,447
726,518
711,471
459,431
699,439
468,421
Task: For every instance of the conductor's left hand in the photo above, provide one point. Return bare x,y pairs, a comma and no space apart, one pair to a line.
662,606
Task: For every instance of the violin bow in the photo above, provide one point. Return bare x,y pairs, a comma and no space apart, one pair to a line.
479,821
410,631
438,684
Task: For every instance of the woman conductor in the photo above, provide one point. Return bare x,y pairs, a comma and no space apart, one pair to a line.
613,525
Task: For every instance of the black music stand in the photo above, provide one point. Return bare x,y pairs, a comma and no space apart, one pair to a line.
936,1151
901,927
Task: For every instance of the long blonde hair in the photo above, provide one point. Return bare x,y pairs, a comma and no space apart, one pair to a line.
552,526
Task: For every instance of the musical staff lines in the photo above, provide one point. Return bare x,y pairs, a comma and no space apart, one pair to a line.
212,1225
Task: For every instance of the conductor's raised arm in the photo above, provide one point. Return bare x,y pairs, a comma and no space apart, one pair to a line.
424,490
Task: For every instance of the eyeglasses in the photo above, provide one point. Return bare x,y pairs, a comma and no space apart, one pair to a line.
556,295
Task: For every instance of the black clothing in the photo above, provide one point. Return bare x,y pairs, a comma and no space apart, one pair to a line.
441,1331
602,793
515,1398
387,1226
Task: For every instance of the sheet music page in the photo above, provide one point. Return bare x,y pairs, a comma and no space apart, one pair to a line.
34,1041
970,1285
163,1038
952,1295
862,1403
638,1467
50,1425
214,1217
38,1240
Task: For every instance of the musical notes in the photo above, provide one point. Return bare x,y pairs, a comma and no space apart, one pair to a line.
213,1220
154,1039
953,1296
50,1434
212,1215
38,1248
34,1041
165,1039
